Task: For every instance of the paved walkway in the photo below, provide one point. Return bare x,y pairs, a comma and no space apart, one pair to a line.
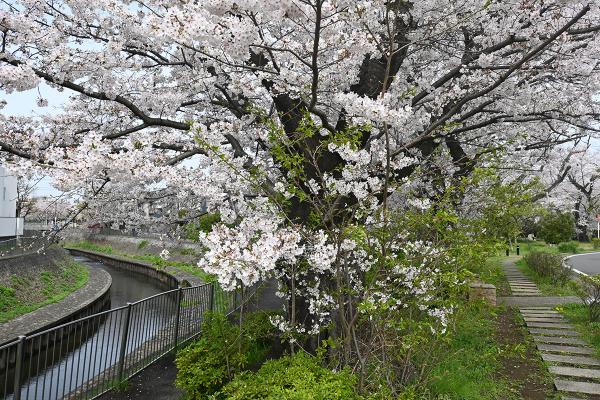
573,364
520,285
525,292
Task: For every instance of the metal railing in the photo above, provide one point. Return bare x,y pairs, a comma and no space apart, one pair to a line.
20,245
87,357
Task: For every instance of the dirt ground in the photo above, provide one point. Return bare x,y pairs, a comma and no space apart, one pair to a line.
155,382
524,367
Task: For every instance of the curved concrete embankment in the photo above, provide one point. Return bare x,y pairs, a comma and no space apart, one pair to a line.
91,298
169,275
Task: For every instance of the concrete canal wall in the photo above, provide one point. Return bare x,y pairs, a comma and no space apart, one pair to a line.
172,277
89,299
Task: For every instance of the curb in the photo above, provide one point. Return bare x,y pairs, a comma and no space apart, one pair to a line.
577,255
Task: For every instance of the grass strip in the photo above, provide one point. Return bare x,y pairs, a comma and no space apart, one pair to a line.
26,293
153,259
577,315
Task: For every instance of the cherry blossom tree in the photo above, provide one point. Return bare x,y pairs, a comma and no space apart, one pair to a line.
584,194
309,125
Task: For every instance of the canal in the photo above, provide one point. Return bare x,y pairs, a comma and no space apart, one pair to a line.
94,350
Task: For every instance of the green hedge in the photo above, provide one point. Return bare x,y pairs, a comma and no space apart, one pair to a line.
548,265
568,247
221,352
298,377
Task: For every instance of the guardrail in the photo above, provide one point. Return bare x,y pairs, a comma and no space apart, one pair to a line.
16,246
84,358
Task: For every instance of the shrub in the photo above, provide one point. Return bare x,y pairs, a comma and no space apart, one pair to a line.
557,227
203,224
221,352
567,247
548,265
293,378
7,298
142,244
590,294
596,243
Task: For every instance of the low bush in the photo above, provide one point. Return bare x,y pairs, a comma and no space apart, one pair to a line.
142,244
204,223
590,294
567,247
596,243
7,298
295,377
548,265
557,227
221,352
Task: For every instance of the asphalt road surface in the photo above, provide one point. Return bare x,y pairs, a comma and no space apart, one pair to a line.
586,263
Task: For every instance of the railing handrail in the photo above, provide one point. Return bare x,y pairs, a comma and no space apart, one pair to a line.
140,341
82,319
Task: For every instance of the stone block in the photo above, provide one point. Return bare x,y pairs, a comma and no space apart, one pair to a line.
485,291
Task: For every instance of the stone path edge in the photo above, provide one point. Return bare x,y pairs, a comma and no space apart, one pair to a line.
90,298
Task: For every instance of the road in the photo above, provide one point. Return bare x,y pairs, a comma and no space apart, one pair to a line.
586,263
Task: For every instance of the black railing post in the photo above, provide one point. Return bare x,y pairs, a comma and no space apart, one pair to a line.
123,348
211,300
18,367
177,317
518,250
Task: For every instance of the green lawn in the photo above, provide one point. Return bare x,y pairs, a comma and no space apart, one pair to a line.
480,357
527,247
25,293
491,272
154,259
466,366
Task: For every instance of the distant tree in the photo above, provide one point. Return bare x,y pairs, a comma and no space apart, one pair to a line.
557,227
25,202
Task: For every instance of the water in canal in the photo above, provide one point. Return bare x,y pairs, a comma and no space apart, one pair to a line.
97,351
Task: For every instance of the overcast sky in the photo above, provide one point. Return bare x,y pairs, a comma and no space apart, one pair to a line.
25,104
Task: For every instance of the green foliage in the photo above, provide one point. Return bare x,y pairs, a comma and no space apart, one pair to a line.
187,252
578,315
466,364
160,263
557,227
142,244
27,293
533,246
86,245
568,247
7,299
154,259
590,294
204,223
222,351
505,205
548,265
596,243
547,284
297,377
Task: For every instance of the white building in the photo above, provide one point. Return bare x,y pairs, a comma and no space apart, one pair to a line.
10,225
